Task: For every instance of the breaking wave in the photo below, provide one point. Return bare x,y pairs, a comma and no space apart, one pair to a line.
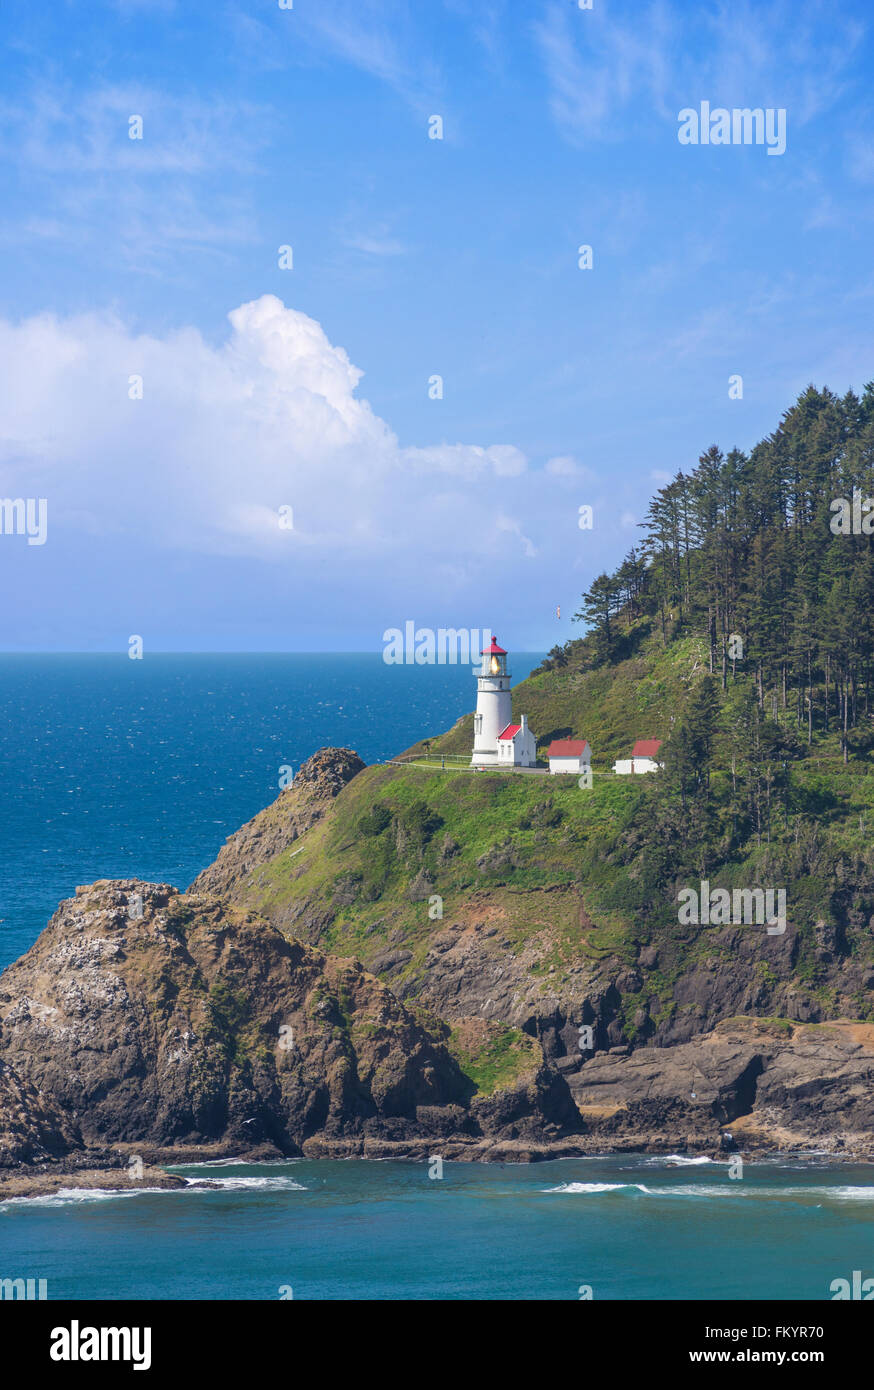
728,1189
591,1187
72,1196
242,1184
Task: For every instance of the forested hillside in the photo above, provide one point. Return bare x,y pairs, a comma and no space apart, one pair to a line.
757,546
768,559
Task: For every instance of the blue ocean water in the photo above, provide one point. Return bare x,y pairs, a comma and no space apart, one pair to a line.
113,768
627,1228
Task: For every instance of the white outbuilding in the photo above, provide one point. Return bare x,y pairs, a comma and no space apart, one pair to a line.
517,746
569,755
644,758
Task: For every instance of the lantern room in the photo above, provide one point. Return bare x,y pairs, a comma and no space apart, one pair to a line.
494,659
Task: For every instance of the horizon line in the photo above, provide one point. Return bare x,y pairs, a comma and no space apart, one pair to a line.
238,651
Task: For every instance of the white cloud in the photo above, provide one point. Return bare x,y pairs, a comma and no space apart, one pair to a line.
469,460
597,67
379,243
226,435
566,466
62,133
141,202
380,38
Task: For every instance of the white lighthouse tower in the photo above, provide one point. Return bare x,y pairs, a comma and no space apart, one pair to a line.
493,705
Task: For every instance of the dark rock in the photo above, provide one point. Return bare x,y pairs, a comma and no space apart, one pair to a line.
568,1064
389,960
448,848
198,1022
32,1127
521,1111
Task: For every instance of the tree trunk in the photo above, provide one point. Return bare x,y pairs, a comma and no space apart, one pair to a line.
827,692
724,665
844,745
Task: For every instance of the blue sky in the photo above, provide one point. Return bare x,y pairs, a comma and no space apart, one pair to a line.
265,127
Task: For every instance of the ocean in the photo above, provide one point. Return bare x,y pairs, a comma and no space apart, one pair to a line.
113,767
607,1228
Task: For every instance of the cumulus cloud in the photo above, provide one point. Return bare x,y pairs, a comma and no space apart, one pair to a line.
566,466
470,460
224,436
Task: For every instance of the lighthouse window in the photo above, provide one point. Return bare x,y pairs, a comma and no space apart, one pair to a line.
478,723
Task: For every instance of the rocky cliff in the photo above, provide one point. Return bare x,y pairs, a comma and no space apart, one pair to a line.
690,1031
147,1017
389,961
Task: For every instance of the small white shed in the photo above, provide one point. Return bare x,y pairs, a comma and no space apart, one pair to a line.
644,758
517,746
569,755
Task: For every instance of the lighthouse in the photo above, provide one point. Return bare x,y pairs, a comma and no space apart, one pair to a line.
493,704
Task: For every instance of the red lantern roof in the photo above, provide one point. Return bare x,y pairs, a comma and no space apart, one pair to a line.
493,650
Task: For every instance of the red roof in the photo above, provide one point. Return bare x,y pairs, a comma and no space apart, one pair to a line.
567,747
493,650
510,732
646,748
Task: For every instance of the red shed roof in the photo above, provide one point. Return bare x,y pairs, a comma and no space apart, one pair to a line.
493,650
510,732
567,747
646,748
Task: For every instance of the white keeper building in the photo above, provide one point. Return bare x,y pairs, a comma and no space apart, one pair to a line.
570,755
644,758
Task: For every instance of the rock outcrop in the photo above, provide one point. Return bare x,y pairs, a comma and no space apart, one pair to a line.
32,1128
796,1086
146,1016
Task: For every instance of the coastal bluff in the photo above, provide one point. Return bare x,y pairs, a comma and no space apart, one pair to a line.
299,999
165,1021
